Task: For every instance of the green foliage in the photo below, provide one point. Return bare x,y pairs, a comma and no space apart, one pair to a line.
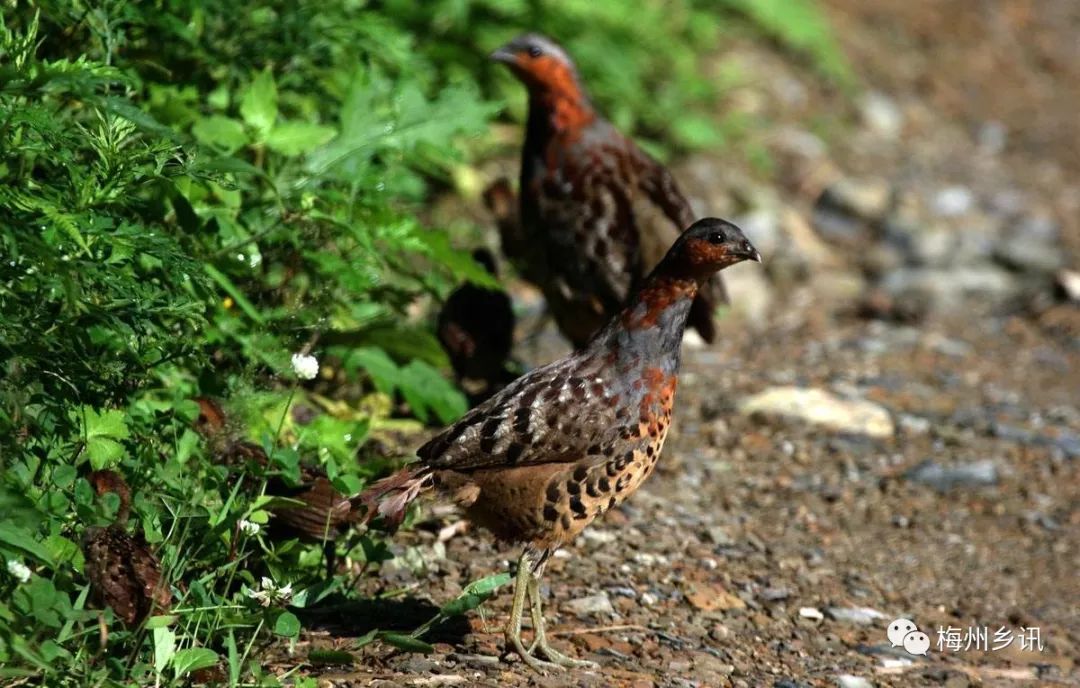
800,26
192,192
644,62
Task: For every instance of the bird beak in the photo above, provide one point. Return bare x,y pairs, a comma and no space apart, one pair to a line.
504,55
748,252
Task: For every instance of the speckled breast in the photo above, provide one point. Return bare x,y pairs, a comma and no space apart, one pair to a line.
576,496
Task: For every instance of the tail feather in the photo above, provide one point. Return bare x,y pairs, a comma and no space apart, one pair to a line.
390,497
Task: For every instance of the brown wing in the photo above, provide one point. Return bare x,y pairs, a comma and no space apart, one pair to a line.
147,571
124,574
576,199
560,413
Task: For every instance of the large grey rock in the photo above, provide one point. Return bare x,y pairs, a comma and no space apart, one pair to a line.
863,198
836,226
850,681
944,478
938,244
861,616
941,288
1027,256
818,407
953,201
599,603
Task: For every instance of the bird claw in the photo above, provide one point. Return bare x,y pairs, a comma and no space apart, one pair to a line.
537,665
559,659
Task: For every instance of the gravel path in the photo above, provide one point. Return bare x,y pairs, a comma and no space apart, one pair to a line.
772,552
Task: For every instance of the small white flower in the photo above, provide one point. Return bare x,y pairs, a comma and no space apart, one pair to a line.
306,367
270,593
19,570
284,593
248,528
261,596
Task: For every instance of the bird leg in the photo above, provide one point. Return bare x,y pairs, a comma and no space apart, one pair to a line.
540,642
513,629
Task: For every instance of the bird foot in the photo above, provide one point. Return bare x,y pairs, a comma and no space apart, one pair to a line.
555,657
537,665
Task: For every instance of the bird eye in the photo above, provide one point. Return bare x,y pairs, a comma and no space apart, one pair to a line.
716,238
535,52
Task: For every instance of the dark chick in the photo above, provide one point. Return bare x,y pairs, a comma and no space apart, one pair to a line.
597,213
124,573
476,329
567,442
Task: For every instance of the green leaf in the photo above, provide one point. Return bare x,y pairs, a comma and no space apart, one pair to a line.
367,638
63,476
229,165
234,658
271,502
110,423
19,511
102,430
61,548
287,625
140,118
696,132
314,594
164,647
187,445
296,138
222,133
425,388
379,366
16,537
192,659
348,484
258,106
474,594
405,343
325,657
406,642
238,296
104,452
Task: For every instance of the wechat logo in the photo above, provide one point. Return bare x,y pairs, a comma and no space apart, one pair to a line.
904,633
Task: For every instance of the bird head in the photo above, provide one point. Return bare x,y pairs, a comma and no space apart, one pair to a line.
541,64
708,245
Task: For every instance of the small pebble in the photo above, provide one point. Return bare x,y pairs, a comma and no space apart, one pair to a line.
944,478
812,613
863,616
849,681
953,201
593,604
